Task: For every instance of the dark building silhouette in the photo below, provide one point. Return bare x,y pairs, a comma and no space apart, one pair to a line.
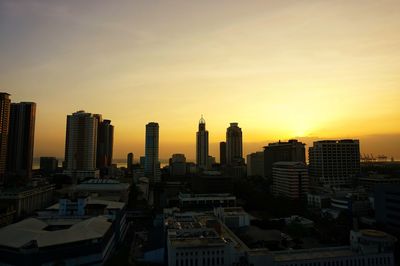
291,151
177,165
21,139
387,202
105,140
129,162
152,164
212,182
4,129
334,162
234,145
222,153
202,145
48,165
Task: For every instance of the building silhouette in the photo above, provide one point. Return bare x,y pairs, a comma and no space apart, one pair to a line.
81,145
334,162
21,139
234,145
129,162
152,164
105,141
4,129
177,165
290,151
48,165
222,153
202,145
255,164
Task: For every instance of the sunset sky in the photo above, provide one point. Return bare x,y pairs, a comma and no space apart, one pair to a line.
281,69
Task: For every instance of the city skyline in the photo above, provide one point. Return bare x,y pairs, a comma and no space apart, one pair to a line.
314,70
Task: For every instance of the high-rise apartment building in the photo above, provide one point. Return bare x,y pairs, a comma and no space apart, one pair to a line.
222,153
4,128
152,164
290,151
234,145
202,145
21,139
105,140
81,144
334,162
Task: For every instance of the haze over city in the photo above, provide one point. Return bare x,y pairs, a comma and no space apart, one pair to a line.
306,70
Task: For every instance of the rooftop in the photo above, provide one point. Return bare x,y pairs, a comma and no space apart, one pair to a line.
35,231
309,254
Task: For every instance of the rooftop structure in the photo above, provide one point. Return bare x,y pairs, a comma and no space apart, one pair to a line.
74,231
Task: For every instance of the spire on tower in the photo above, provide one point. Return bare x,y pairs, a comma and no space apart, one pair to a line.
202,121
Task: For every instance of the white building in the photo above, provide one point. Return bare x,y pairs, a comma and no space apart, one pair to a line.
290,179
233,217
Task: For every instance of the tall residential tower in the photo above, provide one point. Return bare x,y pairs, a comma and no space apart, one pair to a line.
81,144
21,139
4,128
152,164
105,140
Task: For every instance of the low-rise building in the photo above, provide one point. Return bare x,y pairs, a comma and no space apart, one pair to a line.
26,200
109,189
72,232
200,238
233,217
318,200
206,201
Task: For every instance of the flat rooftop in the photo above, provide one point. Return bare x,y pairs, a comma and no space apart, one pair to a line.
309,254
109,204
44,233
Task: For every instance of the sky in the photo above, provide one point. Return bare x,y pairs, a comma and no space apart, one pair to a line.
281,69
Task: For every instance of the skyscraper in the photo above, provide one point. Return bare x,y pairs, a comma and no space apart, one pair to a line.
334,162
234,145
81,144
202,145
105,139
21,139
222,152
129,162
4,128
152,164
